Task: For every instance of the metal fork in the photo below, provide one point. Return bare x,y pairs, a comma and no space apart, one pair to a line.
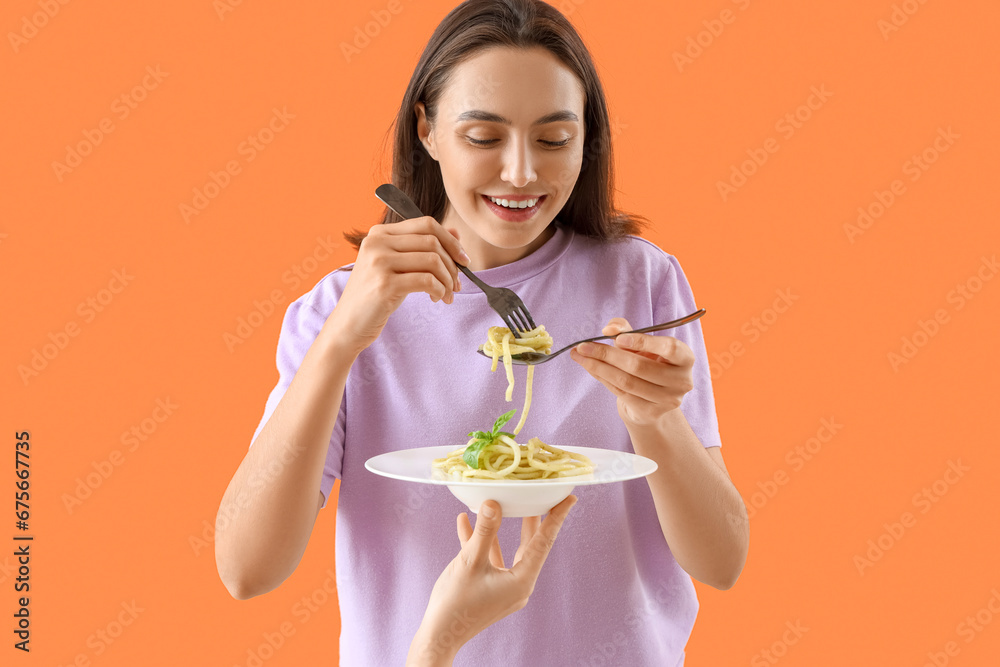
507,304
535,358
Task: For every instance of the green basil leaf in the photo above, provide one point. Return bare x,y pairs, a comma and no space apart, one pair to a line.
509,435
481,435
503,419
471,453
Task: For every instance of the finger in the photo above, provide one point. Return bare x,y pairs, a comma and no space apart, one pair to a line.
541,542
409,283
496,556
621,394
425,244
529,525
458,278
673,351
620,324
653,381
640,407
405,237
481,542
616,325
423,262
464,528
428,225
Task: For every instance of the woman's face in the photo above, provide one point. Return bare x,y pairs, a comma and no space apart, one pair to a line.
526,108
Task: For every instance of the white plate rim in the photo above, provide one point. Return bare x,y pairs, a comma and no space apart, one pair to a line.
648,466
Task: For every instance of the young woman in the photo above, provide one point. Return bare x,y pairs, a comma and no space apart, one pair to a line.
504,109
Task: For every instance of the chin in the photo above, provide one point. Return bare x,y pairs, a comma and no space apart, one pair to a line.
512,239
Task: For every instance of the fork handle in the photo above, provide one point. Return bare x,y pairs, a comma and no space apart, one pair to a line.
656,327
472,276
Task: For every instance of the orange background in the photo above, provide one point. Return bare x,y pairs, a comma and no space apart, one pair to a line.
141,534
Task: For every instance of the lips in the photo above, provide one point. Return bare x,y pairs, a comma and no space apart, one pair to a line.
506,200
514,214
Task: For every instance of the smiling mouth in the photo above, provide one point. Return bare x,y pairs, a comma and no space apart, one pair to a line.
513,212
517,204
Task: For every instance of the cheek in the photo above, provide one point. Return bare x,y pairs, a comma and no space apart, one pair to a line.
465,169
462,155
564,170
479,165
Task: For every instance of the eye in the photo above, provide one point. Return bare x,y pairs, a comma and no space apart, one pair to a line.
488,142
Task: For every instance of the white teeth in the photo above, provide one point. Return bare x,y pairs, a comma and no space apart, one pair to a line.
528,203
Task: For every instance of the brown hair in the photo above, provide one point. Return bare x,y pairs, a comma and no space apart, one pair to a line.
475,25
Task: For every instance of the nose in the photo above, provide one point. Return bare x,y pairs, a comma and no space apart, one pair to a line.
518,166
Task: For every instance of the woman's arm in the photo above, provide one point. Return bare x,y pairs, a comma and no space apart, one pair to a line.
268,511
701,513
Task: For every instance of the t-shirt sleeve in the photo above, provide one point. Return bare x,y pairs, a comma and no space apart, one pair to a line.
675,301
301,325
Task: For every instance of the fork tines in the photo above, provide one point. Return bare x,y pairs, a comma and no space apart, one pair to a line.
521,315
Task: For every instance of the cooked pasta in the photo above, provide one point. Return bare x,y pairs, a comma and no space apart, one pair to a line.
505,459
499,455
500,342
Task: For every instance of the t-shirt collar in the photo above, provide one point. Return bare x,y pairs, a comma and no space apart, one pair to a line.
528,266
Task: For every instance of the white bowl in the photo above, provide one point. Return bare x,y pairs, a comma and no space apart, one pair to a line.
517,498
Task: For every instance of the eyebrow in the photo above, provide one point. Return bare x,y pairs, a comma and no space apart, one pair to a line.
554,117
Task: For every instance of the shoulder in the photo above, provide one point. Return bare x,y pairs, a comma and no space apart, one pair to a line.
632,254
326,292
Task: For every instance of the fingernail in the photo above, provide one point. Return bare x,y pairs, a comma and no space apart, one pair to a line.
488,511
458,285
585,348
462,255
627,340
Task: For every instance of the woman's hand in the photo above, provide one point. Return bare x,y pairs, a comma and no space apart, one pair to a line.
476,590
416,255
649,376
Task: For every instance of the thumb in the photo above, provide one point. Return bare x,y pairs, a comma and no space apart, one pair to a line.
487,525
616,325
542,541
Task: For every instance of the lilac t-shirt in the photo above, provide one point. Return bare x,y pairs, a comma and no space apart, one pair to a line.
611,592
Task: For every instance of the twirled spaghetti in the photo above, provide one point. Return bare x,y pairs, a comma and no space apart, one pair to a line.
500,342
499,455
505,459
